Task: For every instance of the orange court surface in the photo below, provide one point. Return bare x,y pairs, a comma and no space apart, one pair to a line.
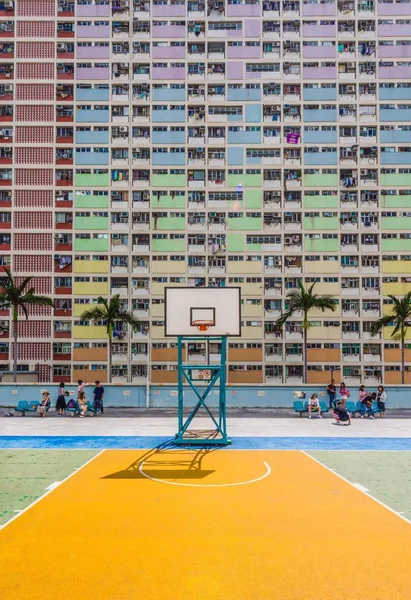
189,524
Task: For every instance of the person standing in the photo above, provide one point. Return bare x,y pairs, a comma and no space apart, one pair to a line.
381,398
344,393
332,392
99,397
80,388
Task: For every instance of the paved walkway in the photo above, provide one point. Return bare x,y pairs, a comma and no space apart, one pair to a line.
31,425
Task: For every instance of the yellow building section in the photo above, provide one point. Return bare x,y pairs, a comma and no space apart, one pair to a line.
324,333
322,267
324,287
157,310
79,309
251,333
400,288
327,314
250,289
89,332
252,310
396,266
174,267
157,332
232,525
91,266
388,331
90,288
245,266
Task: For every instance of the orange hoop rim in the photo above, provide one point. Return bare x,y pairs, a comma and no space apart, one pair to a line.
203,324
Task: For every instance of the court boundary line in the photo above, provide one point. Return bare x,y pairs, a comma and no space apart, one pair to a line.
24,510
207,485
353,485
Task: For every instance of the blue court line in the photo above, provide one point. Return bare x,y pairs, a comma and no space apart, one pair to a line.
238,443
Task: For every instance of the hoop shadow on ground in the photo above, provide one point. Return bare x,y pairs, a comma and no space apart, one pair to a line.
168,461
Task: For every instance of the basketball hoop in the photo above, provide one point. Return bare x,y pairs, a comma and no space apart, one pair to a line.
203,324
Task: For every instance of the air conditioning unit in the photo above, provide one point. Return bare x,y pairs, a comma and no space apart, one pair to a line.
350,88
115,195
125,65
8,149
115,236
8,87
61,46
9,3
123,129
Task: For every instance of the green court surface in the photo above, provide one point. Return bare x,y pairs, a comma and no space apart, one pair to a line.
385,475
25,475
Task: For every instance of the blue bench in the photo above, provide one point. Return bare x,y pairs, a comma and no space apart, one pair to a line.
76,410
302,407
24,406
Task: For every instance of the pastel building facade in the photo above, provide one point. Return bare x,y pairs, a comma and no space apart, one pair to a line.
238,142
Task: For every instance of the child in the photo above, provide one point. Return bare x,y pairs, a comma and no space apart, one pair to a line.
61,401
82,404
341,414
366,402
314,404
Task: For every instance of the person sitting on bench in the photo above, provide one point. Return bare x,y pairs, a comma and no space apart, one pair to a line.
45,403
82,404
314,405
341,414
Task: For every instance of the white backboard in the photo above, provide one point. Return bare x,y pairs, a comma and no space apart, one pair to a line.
185,304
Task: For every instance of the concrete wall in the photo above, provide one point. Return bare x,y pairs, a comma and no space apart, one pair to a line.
166,396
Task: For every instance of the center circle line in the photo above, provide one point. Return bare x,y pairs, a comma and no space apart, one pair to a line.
266,474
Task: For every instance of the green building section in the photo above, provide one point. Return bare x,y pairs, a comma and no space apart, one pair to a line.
91,200
167,245
25,475
386,475
91,223
322,223
92,179
321,245
396,201
168,223
168,180
244,179
395,179
395,245
91,244
321,180
168,201
321,201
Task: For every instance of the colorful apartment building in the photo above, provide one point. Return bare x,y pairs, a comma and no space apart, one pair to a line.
217,142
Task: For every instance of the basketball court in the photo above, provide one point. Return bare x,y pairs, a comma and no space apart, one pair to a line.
201,515
206,523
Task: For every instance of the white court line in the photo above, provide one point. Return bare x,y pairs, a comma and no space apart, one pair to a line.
50,489
358,487
266,474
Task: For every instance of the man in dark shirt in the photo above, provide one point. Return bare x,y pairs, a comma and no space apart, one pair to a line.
99,396
341,414
332,392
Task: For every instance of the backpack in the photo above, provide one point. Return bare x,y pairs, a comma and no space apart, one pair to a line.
71,404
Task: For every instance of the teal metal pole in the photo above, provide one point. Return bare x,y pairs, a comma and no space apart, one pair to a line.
180,385
223,375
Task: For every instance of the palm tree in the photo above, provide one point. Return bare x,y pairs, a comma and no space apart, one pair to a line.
303,300
19,298
401,317
110,313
